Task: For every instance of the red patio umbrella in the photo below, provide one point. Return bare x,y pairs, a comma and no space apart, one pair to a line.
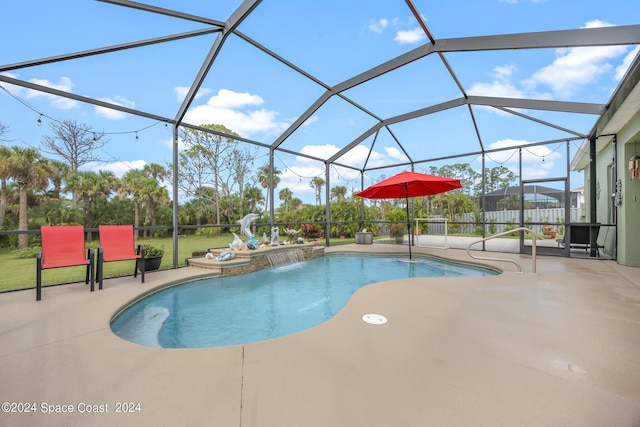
409,184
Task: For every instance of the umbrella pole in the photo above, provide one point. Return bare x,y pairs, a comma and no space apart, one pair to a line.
408,222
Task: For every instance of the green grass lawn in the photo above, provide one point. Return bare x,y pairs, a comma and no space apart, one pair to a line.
20,273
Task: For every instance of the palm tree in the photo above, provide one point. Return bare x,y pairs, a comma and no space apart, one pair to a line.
156,171
5,174
264,180
254,197
285,195
29,170
91,186
338,192
59,171
131,185
296,203
195,210
157,195
317,183
152,195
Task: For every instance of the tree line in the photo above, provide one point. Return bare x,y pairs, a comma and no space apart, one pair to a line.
218,177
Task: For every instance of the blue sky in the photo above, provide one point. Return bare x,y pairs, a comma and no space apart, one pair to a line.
258,97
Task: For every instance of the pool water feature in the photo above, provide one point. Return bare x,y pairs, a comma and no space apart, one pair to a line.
285,257
265,304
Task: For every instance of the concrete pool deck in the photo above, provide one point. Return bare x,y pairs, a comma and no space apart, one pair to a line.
558,348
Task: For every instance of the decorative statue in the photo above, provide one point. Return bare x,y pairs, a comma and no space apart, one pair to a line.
237,244
253,243
225,256
265,240
292,234
275,236
245,224
245,228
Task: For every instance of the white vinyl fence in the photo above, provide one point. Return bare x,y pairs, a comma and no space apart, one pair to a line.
551,216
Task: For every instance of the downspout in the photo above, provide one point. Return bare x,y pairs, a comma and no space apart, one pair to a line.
615,206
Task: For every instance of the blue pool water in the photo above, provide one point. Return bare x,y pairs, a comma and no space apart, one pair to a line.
266,304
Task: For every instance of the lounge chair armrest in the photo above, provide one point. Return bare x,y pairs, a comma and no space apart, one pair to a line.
140,250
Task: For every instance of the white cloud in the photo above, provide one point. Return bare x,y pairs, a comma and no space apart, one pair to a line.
504,72
410,36
496,88
309,121
65,84
233,110
570,72
500,87
169,144
308,168
395,154
15,90
626,63
181,92
356,157
379,25
537,161
114,114
230,99
118,168
575,68
320,151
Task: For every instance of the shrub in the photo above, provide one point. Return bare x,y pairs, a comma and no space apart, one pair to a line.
29,252
312,231
396,229
151,251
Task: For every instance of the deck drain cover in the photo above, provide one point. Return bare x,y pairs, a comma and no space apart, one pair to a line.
374,319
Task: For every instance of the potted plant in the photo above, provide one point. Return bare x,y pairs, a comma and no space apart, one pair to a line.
152,257
547,232
396,230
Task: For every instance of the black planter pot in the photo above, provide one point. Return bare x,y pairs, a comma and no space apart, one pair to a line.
151,264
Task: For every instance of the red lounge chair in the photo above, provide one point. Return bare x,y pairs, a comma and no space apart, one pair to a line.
116,244
62,246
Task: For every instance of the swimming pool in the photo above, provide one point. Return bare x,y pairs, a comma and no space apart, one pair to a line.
268,303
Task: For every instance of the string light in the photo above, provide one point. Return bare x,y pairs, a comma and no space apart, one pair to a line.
39,121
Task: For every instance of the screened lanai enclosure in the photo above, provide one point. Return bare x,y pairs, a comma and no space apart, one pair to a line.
326,98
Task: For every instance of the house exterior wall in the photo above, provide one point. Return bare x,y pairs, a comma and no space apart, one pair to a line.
604,161
629,210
